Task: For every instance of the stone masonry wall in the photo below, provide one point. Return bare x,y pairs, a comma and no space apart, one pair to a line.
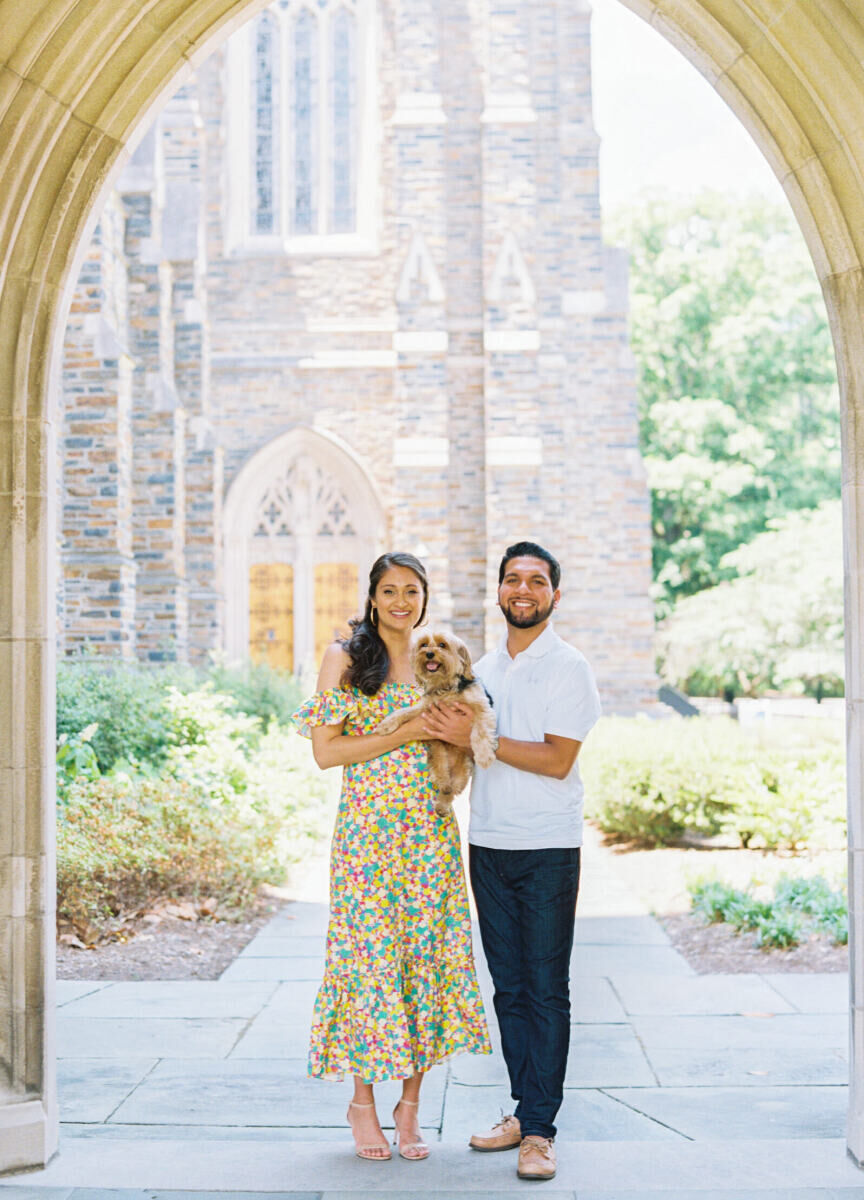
471,354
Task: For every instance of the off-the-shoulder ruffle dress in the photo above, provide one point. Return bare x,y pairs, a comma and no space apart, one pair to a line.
400,992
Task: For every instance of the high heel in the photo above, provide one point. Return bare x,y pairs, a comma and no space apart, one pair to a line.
364,1150
420,1147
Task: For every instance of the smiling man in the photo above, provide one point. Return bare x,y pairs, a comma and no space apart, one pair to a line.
525,836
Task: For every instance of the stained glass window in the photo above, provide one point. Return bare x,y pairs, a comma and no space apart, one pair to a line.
305,123
342,113
304,159
265,132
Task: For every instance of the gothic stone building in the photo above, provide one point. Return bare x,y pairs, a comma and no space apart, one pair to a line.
350,293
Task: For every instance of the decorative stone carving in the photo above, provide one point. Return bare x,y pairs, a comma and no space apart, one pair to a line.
510,268
419,280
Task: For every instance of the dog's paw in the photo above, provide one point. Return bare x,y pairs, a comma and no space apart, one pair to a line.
444,803
388,725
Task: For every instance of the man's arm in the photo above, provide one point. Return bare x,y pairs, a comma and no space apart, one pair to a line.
554,756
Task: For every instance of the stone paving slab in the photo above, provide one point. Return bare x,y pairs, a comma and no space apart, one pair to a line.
300,919
793,1031
752,1066
173,998
594,999
215,1133
768,1112
237,1092
72,989
640,1167
814,993
296,996
160,1037
619,931
650,994
587,1115
90,1089
600,1056
270,945
269,1037
611,961
273,969
16,1193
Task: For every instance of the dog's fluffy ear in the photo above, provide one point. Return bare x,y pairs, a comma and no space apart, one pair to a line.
465,660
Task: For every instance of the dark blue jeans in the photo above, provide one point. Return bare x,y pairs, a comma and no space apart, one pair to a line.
526,905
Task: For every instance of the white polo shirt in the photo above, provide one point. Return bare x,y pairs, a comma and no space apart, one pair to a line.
547,688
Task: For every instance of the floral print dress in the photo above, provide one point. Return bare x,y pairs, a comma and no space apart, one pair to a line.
400,992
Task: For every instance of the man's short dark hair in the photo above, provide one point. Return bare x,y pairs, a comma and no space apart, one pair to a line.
531,550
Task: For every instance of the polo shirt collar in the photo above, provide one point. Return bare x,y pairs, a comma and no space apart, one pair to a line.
540,646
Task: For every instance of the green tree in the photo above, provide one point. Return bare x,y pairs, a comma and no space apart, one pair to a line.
737,384
778,625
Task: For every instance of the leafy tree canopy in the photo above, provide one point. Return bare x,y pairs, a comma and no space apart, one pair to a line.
777,626
737,383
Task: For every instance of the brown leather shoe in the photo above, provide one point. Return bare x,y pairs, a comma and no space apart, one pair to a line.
504,1135
536,1158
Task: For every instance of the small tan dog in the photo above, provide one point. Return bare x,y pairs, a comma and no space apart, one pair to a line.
442,666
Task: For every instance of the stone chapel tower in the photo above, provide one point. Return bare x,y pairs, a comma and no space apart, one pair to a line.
351,294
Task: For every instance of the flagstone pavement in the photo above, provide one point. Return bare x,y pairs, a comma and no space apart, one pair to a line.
679,1085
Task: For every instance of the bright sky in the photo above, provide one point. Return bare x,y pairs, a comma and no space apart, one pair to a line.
662,124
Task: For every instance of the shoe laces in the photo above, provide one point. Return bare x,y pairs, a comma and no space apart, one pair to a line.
504,1120
542,1145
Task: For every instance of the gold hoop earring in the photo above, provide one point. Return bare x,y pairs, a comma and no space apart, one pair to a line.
373,617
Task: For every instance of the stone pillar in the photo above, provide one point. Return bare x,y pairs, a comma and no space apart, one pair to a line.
183,150
606,607
98,570
845,298
28,530
518,433
461,88
418,132
158,422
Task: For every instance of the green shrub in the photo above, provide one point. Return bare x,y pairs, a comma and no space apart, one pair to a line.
125,701
128,704
76,759
196,796
780,929
122,842
258,690
798,907
780,785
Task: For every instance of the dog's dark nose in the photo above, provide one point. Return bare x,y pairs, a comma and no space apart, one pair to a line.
430,653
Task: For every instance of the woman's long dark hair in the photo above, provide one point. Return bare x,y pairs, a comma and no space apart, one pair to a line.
370,661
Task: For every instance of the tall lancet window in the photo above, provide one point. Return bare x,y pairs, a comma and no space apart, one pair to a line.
301,112
305,123
265,131
343,112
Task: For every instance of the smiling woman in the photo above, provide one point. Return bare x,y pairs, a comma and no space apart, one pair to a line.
400,993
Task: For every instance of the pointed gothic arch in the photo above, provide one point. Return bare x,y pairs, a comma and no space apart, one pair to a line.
77,87
302,503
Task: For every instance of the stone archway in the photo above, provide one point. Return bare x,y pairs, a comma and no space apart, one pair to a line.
304,502
73,92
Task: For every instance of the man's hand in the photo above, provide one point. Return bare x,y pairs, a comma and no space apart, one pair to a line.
450,723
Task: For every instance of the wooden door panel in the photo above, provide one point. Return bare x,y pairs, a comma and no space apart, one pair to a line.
335,602
271,614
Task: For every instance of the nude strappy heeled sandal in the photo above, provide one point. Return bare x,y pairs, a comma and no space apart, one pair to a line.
364,1151
422,1150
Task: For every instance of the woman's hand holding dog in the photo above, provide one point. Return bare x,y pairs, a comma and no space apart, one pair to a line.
449,723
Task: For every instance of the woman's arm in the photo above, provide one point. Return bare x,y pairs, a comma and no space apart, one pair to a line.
330,748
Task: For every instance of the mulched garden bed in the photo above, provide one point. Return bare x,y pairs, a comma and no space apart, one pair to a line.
718,949
164,944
